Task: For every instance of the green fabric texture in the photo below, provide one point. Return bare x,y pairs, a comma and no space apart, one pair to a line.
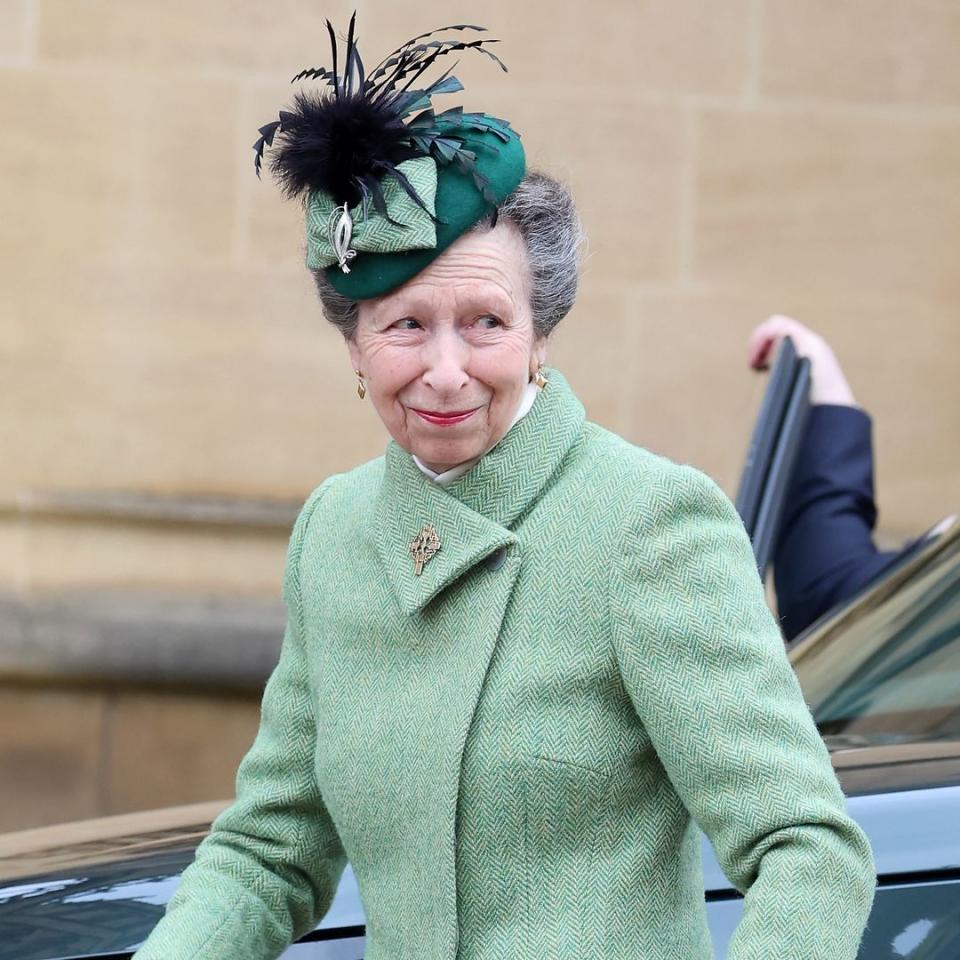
459,205
374,233
514,748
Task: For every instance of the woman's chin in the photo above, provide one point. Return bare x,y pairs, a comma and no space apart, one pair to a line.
447,446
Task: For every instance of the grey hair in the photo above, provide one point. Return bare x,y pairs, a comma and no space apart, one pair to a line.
542,209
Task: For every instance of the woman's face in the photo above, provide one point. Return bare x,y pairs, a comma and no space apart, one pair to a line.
446,357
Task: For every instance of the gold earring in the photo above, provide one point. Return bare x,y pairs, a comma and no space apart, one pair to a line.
361,386
539,379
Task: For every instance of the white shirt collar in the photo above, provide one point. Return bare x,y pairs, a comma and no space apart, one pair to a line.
448,476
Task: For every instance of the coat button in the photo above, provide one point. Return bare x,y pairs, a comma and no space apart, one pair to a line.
497,559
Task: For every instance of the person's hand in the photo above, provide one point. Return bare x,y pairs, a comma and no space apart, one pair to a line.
827,382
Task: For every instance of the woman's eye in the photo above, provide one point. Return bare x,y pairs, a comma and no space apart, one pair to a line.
407,323
489,322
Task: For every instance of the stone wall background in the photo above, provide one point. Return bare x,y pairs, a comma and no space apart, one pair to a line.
161,347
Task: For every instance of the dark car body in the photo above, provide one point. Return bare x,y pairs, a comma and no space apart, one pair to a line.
882,677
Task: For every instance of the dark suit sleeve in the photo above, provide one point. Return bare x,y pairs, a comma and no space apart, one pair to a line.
825,551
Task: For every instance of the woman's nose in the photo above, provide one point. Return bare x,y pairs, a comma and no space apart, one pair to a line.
446,358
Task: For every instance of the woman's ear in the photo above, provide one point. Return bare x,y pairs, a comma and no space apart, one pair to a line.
354,351
539,353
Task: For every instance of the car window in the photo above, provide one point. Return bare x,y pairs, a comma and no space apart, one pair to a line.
773,451
891,669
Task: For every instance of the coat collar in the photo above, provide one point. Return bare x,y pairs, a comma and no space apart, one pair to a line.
474,515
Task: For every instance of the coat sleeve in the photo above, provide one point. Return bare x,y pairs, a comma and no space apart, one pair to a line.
269,868
704,664
825,551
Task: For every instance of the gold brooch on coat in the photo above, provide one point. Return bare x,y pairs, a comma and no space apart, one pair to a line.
423,546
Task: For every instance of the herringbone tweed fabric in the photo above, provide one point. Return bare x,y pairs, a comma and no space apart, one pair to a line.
510,747
373,233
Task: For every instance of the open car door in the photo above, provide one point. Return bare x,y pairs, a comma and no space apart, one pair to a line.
773,451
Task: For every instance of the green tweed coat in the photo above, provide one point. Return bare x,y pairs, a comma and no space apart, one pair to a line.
514,748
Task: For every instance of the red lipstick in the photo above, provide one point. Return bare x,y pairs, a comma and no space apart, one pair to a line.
444,418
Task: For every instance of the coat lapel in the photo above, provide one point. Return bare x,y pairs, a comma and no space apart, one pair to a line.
408,503
474,516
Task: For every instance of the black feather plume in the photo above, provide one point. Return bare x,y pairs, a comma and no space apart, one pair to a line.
332,144
346,138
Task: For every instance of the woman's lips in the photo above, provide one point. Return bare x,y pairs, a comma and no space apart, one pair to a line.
444,418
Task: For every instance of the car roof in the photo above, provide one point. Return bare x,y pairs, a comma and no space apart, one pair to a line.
100,886
84,843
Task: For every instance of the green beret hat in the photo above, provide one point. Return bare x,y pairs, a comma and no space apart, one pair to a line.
387,183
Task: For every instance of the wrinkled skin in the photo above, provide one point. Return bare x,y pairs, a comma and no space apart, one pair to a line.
458,338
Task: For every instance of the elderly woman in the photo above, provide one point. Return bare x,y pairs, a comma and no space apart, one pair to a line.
525,660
